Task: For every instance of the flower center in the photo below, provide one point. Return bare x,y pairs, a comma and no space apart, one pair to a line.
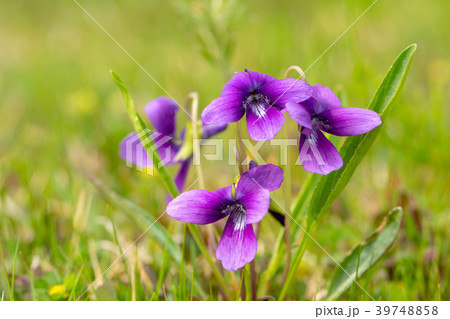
257,103
237,213
317,122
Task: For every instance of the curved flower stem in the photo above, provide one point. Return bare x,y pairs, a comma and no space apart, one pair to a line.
193,99
298,70
163,173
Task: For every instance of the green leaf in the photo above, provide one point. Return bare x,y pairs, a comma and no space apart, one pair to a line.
355,147
352,151
146,138
366,254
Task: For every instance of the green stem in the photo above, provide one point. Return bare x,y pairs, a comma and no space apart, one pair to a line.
287,221
248,283
241,149
193,98
295,262
5,272
197,237
297,209
13,275
163,173
182,278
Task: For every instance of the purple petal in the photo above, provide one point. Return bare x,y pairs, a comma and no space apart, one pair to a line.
132,151
197,207
300,114
256,205
318,154
266,127
225,193
162,113
180,179
258,79
225,109
209,130
253,196
239,84
267,176
281,92
347,121
325,97
237,246
246,185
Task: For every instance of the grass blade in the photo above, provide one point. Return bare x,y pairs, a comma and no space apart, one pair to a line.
143,217
13,274
5,272
139,214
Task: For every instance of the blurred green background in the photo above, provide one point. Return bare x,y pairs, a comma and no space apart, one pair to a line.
61,117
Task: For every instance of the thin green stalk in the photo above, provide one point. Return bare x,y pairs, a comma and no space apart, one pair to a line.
182,279
295,262
31,277
275,261
287,221
116,240
241,149
75,283
163,173
248,282
5,272
13,275
297,208
193,98
197,237
241,290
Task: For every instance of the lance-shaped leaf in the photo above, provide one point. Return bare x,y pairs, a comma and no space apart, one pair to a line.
355,147
328,187
366,254
146,138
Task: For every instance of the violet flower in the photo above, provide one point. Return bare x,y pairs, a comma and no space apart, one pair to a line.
323,112
247,205
261,97
162,114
